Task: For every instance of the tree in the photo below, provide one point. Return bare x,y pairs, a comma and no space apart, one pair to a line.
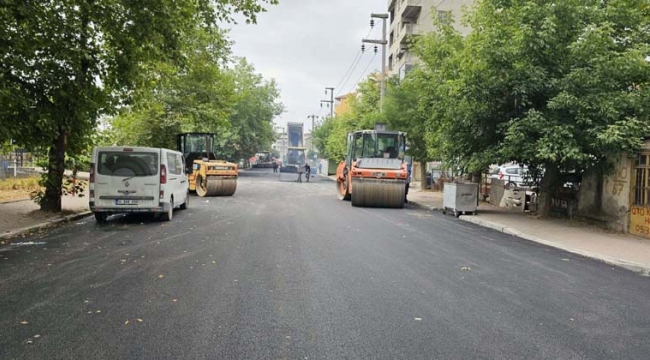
197,97
330,137
255,105
67,62
555,85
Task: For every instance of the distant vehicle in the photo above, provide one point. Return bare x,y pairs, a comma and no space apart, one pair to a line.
513,176
263,160
295,158
137,179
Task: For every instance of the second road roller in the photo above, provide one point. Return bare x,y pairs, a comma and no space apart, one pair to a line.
206,175
374,173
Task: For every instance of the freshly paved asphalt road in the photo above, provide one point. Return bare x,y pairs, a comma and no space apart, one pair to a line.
286,271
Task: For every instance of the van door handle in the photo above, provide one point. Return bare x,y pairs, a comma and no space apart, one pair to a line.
182,181
173,178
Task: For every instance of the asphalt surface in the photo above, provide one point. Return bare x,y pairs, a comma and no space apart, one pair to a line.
286,271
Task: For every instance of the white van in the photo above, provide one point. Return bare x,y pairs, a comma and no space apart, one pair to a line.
137,179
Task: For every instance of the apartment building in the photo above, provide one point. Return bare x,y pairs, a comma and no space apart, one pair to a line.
281,142
416,17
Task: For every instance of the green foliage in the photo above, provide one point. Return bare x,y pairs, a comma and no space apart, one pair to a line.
196,97
558,84
65,63
250,126
330,136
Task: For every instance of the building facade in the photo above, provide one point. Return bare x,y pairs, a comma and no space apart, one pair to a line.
281,141
416,17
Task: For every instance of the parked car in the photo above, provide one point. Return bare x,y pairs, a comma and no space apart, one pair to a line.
137,179
513,176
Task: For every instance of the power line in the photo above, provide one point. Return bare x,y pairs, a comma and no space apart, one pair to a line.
353,64
346,77
350,75
364,71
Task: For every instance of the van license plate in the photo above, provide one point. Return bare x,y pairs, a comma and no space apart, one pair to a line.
126,202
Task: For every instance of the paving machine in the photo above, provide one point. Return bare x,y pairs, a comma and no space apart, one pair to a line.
294,160
373,173
263,160
207,175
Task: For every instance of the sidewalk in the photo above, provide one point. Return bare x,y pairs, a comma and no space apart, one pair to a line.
20,216
623,250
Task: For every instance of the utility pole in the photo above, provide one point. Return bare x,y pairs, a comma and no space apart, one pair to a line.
312,117
330,102
383,42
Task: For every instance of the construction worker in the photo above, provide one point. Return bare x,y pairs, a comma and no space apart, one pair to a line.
307,171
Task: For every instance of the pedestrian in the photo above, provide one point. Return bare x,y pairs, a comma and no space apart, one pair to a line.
307,171
299,170
275,166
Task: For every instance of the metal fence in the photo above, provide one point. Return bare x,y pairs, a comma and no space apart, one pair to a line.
16,164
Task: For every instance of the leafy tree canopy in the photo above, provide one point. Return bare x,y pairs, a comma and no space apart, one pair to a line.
65,63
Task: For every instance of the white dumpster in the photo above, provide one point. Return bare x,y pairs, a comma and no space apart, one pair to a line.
460,198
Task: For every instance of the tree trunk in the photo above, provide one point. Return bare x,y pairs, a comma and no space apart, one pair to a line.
56,166
423,175
547,190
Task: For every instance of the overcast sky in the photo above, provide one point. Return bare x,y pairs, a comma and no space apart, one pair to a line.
307,45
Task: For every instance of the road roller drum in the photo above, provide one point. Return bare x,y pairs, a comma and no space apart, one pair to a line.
215,186
379,193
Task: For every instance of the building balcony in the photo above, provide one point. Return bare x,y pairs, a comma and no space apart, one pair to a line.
403,49
410,11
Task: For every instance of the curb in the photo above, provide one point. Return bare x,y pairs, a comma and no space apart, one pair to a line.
14,201
67,218
643,269
421,206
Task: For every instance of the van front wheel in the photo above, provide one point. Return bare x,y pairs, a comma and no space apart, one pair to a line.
167,216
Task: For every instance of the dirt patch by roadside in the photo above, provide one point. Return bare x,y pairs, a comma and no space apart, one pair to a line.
18,188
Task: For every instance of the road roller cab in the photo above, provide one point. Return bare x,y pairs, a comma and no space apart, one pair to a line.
207,175
373,173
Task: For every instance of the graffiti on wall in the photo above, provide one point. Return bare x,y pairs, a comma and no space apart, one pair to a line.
620,180
640,221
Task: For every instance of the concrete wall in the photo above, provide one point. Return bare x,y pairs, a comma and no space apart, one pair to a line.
613,207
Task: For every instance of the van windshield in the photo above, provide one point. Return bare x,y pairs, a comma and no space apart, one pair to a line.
120,163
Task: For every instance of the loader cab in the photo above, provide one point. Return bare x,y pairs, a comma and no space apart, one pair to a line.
371,144
196,146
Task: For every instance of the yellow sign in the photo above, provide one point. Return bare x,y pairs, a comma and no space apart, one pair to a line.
640,221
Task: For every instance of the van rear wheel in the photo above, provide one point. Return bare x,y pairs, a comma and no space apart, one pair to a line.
167,216
187,201
101,217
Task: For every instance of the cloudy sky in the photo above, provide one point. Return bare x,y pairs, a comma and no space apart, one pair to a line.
307,45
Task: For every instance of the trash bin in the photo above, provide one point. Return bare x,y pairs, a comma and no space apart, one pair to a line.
429,181
460,198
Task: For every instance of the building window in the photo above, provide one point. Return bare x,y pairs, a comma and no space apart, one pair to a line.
444,16
405,69
641,171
